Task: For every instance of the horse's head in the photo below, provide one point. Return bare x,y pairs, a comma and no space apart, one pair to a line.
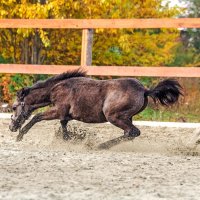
21,110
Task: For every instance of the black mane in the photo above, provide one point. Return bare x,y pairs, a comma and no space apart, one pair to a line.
51,81
60,77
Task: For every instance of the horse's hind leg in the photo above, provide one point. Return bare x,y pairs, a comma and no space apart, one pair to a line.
124,123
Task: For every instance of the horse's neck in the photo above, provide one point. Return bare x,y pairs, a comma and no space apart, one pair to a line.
40,105
38,97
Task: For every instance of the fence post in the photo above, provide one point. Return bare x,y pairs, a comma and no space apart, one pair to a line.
86,51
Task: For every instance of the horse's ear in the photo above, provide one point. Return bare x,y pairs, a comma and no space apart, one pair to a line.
22,93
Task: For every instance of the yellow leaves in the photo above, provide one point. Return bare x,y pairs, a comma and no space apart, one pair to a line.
11,49
76,5
149,47
124,43
24,32
99,30
31,11
116,14
105,3
49,6
44,38
8,2
129,47
3,13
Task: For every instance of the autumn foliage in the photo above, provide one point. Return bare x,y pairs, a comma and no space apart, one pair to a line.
63,46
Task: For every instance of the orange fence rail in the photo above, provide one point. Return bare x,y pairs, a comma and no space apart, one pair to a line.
101,23
87,25
104,70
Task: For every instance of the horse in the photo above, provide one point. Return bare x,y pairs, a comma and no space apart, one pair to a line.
74,96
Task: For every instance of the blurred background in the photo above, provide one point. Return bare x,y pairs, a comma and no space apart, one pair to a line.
129,47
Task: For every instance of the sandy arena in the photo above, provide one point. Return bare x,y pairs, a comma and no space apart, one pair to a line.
163,163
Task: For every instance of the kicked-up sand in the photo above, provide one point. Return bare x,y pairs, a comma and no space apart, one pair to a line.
163,163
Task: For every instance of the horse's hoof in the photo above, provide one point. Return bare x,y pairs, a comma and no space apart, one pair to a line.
66,137
133,133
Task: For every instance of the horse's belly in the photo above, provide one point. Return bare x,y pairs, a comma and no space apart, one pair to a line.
90,118
87,114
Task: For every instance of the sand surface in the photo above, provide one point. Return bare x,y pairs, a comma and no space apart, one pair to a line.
163,163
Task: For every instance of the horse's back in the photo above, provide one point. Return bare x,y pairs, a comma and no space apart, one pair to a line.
102,89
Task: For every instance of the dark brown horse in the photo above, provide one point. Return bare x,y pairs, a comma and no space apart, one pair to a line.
74,96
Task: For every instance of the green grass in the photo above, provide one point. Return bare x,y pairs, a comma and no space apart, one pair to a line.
150,114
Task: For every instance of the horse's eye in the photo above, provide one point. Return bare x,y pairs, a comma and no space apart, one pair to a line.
14,108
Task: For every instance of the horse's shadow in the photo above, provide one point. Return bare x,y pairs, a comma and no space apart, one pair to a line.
111,143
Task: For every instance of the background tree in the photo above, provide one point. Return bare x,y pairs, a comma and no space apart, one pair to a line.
193,37
188,50
129,46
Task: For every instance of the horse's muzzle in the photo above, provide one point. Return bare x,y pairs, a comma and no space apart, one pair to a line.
12,128
12,125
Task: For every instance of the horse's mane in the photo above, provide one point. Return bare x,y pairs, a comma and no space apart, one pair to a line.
51,81
60,77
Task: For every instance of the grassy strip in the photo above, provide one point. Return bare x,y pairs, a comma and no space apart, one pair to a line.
150,114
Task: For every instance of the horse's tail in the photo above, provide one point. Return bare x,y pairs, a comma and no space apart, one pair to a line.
166,92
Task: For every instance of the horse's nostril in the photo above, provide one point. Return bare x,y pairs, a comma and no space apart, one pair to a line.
11,128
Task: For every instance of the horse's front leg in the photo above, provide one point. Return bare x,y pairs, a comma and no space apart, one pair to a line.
64,129
48,115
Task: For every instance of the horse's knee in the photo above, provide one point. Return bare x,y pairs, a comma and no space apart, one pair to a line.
37,118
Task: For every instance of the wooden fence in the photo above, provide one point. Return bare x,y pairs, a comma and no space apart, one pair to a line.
87,25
